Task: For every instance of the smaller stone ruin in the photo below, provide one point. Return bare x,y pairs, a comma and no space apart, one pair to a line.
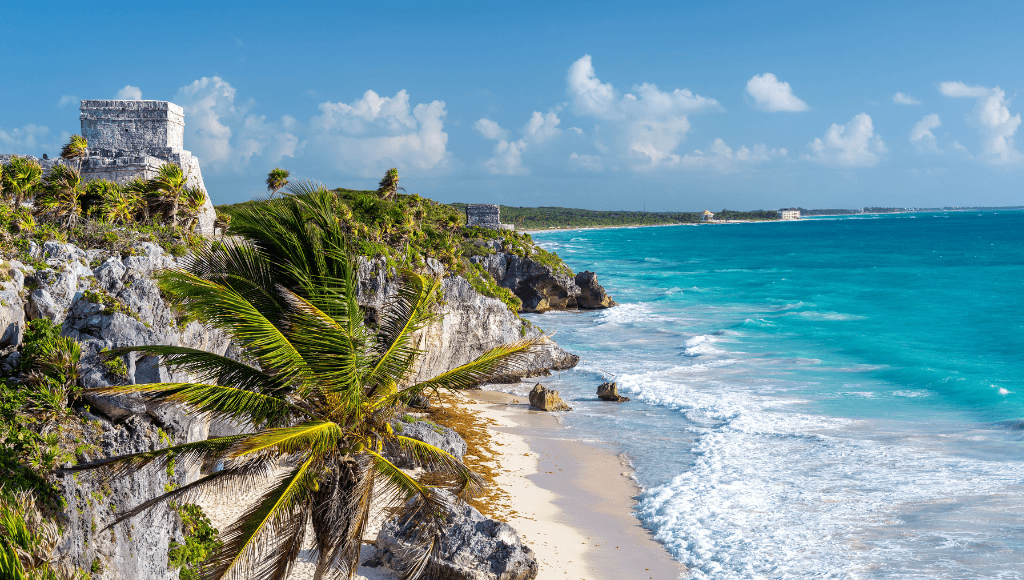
486,215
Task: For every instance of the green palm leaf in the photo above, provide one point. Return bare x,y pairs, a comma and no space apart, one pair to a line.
217,401
317,437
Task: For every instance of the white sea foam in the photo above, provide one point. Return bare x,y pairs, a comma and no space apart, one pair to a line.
701,344
627,314
783,495
811,315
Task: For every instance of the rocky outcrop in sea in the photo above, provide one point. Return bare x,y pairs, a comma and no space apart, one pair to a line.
541,287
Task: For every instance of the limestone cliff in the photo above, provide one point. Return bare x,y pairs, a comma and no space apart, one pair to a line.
541,287
70,290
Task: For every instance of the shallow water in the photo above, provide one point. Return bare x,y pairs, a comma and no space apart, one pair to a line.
829,398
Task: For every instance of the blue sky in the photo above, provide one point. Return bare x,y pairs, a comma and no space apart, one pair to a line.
668,106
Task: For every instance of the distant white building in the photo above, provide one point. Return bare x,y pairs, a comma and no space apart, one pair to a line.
790,214
707,216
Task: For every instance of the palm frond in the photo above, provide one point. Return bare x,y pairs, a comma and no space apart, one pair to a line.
316,437
440,460
406,313
504,359
216,401
213,368
222,307
239,557
187,455
234,476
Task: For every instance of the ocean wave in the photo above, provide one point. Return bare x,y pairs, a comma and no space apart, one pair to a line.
699,345
627,314
812,315
802,500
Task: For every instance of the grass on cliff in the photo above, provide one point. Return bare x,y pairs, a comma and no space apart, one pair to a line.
406,230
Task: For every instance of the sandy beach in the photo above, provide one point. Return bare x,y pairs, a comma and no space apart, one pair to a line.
570,501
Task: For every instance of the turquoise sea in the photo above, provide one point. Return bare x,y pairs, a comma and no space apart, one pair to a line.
827,398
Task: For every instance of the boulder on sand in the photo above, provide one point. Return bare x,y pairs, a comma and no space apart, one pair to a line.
610,392
473,547
547,399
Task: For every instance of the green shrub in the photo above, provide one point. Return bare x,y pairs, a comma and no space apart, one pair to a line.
202,542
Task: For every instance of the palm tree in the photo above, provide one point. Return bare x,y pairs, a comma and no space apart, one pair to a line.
276,180
193,202
138,190
21,176
121,204
388,186
319,392
76,149
166,191
59,198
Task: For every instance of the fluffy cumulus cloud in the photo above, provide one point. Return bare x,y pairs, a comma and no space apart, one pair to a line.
904,99
66,100
540,128
993,119
223,134
129,93
507,158
852,145
922,131
772,95
722,158
372,133
490,129
643,127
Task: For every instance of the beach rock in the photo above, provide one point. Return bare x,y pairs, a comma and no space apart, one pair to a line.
592,295
610,392
473,547
547,399
443,438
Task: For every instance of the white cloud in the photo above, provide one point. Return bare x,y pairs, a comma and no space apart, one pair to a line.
66,100
540,128
29,140
374,133
773,95
720,157
958,89
587,162
993,119
851,145
922,131
507,159
508,155
222,135
490,129
129,93
644,127
904,99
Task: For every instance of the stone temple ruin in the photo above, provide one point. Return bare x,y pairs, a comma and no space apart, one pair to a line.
486,215
129,139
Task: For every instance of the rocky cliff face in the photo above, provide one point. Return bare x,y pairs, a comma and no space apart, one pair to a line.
471,325
132,313
70,290
540,287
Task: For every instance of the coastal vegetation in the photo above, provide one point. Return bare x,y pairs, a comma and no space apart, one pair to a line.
96,214
540,218
404,230
319,387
